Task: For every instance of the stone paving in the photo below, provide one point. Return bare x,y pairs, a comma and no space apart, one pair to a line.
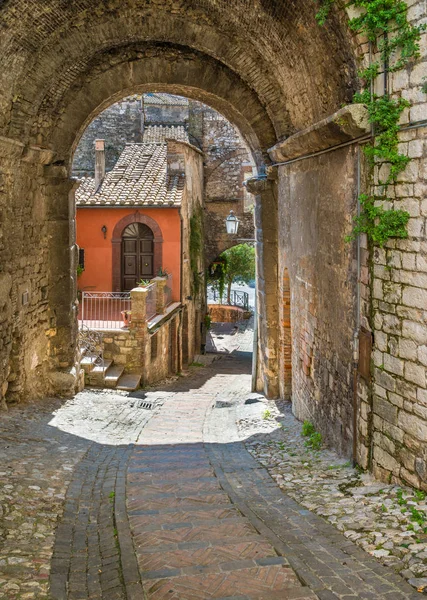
191,541
168,502
388,521
41,449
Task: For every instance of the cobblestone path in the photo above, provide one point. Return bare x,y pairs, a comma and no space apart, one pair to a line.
191,541
164,504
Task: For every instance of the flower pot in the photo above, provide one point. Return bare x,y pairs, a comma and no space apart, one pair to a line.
126,316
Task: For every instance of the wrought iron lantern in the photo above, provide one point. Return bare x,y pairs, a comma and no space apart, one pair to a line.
232,223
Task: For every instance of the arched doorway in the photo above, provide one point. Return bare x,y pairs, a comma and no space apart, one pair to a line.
137,255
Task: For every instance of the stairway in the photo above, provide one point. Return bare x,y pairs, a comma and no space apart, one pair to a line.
104,373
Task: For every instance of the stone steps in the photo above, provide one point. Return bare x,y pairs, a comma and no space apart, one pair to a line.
113,375
129,382
96,376
105,374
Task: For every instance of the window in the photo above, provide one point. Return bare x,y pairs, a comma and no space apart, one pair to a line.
81,258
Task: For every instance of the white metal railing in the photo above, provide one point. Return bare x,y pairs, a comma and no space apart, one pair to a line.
104,310
151,301
168,290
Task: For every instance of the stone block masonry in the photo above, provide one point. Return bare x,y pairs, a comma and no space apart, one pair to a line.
399,301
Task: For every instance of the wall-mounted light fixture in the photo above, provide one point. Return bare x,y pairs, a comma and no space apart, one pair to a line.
104,231
232,223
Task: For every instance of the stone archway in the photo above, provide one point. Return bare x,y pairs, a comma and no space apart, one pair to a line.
116,241
256,66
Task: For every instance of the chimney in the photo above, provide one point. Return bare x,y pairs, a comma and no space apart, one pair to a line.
99,163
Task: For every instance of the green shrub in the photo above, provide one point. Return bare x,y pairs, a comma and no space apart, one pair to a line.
308,428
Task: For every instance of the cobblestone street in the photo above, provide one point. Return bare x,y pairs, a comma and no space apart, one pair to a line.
104,499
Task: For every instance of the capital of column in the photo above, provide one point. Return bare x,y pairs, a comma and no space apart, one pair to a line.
258,185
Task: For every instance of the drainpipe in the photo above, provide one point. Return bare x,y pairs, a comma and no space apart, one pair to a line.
255,342
357,328
99,163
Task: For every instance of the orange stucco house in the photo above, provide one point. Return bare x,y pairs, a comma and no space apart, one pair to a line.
132,222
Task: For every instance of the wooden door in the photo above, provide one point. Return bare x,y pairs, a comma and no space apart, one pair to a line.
137,255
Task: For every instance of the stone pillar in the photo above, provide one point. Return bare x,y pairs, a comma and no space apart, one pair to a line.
160,294
266,235
63,330
138,324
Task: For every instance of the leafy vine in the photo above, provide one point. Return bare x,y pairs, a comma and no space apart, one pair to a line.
385,24
196,248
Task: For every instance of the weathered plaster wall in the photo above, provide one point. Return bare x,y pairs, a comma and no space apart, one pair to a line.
99,250
317,201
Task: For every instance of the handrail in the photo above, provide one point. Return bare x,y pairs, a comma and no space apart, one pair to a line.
238,298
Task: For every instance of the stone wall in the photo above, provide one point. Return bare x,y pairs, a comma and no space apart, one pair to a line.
161,349
226,314
399,292
120,123
392,417
228,164
35,349
314,218
193,284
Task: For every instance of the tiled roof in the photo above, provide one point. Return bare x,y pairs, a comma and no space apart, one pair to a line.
159,133
165,99
139,178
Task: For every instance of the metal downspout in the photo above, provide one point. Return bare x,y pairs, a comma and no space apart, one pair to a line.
357,328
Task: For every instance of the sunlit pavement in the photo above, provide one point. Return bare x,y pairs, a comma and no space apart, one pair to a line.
163,503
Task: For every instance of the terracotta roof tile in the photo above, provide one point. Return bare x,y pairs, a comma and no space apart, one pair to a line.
139,178
159,133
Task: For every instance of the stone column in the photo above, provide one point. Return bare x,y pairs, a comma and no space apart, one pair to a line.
138,325
60,214
160,294
266,235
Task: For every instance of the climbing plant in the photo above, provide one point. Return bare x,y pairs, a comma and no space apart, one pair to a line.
385,24
196,237
216,276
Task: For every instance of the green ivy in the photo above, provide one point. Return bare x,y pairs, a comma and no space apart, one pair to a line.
384,114
378,223
216,275
385,24
196,236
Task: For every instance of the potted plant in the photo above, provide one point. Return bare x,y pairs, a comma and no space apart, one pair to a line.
126,316
162,272
144,283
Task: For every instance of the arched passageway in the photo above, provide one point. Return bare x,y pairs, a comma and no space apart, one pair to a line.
265,66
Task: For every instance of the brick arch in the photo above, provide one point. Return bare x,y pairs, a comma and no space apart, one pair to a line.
116,242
